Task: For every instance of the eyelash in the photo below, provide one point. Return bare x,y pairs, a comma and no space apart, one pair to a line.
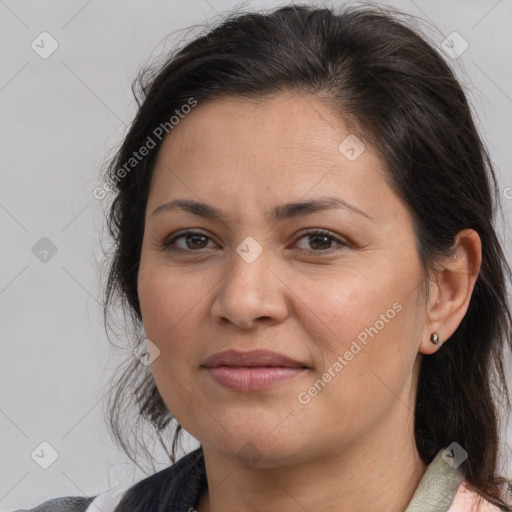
167,244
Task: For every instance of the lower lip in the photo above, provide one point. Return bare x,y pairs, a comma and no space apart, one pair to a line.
252,378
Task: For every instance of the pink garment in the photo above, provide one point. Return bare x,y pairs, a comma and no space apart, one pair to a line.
466,501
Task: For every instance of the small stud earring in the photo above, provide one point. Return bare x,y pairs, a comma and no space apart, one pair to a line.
434,338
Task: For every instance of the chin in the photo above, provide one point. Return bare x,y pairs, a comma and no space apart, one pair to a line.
254,447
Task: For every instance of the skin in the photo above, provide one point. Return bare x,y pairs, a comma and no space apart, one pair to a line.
352,446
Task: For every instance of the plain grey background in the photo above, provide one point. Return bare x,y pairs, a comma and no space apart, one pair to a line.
61,117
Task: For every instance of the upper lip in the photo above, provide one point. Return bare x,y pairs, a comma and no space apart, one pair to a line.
251,358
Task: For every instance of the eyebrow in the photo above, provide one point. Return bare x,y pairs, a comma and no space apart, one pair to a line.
280,213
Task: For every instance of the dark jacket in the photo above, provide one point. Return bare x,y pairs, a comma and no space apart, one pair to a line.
67,504
174,489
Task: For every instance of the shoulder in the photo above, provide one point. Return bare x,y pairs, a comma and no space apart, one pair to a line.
181,484
63,504
467,500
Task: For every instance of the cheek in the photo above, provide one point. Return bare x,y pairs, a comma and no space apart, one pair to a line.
170,303
167,297
345,305
364,329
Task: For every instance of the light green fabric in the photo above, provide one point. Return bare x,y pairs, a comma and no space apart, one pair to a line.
436,490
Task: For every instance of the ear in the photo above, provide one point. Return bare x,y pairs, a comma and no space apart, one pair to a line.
451,288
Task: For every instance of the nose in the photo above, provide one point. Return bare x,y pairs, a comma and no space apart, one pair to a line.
250,293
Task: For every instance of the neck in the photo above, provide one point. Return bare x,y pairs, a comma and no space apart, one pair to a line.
377,473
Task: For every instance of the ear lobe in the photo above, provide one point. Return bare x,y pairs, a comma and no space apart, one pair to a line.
451,290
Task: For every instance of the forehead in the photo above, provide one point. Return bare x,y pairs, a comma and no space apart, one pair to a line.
297,124
250,151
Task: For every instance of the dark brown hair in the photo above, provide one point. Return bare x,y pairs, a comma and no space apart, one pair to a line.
385,79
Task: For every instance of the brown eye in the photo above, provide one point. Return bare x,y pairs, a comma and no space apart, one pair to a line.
321,241
194,241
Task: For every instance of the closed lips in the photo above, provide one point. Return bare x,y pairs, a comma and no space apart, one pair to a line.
255,358
254,371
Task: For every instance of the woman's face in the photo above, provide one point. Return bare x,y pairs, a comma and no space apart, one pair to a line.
344,305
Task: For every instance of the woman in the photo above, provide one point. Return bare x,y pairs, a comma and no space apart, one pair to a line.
303,228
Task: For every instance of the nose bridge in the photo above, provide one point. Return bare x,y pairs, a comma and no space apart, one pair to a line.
249,290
